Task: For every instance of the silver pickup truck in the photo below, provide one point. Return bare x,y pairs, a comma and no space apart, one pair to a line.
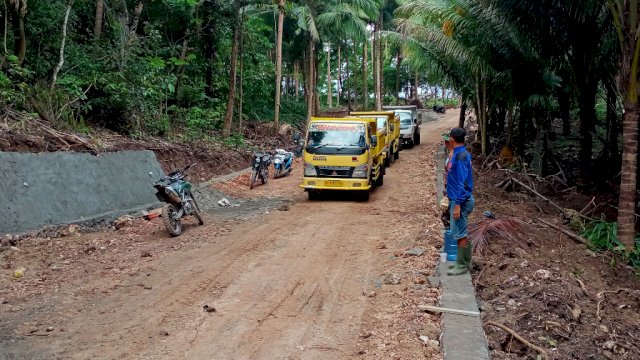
409,123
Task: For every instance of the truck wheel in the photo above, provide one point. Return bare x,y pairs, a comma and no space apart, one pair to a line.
392,157
387,162
363,195
396,156
380,180
416,138
313,195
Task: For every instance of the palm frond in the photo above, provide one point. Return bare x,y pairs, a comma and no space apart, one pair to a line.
508,230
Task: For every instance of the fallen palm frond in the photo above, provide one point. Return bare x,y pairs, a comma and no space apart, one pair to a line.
508,229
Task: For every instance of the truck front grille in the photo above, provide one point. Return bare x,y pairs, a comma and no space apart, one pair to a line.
334,171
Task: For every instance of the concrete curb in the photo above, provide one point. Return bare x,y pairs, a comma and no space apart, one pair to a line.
462,336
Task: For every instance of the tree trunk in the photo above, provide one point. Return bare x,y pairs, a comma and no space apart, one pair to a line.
415,87
183,56
56,70
4,33
587,104
614,132
377,65
241,80
365,91
296,78
398,65
20,42
329,90
316,70
276,118
310,75
564,105
510,122
627,201
97,25
209,39
226,127
346,50
381,63
463,112
339,87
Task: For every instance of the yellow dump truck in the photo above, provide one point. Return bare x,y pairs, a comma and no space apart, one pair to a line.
389,123
343,154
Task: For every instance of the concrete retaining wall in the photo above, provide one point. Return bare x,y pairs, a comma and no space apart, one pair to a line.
65,187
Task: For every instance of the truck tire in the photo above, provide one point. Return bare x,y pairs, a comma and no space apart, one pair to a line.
380,180
313,195
363,196
387,162
396,156
416,138
392,157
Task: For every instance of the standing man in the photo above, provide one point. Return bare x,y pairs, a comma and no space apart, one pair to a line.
461,201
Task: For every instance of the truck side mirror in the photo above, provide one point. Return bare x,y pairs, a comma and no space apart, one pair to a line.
374,141
393,127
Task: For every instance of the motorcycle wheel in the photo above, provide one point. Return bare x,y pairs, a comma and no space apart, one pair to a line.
196,212
277,172
174,227
253,178
265,176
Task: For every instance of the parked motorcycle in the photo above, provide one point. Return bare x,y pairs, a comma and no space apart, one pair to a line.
260,169
439,109
282,163
175,190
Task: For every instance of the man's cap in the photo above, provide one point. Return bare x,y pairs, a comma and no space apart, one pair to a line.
458,132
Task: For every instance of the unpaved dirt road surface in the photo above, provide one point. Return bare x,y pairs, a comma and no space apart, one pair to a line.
308,280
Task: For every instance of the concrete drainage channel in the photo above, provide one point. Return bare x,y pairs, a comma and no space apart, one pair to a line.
462,335
43,191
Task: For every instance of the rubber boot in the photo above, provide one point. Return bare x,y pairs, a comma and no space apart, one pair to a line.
468,253
461,264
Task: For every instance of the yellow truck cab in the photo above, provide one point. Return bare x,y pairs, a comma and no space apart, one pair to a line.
342,154
389,123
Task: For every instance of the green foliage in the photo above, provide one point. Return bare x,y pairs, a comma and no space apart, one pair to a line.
602,236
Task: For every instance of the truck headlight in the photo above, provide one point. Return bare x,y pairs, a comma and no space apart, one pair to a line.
361,171
310,170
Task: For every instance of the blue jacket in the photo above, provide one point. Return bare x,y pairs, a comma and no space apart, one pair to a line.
460,177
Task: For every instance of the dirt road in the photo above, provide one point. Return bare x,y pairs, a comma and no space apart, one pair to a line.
325,279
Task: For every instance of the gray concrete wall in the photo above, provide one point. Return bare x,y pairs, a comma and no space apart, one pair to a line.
65,187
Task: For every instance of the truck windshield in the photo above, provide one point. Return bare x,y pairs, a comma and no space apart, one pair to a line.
405,118
328,138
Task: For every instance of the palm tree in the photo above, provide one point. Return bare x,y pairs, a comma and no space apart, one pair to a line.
625,17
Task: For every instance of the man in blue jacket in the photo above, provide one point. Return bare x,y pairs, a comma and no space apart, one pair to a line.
461,201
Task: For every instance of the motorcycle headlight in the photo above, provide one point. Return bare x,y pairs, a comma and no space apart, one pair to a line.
277,161
310,170
361,171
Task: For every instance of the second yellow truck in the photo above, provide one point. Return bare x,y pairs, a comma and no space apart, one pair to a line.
388,124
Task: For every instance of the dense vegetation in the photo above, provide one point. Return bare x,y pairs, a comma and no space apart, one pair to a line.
198,68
